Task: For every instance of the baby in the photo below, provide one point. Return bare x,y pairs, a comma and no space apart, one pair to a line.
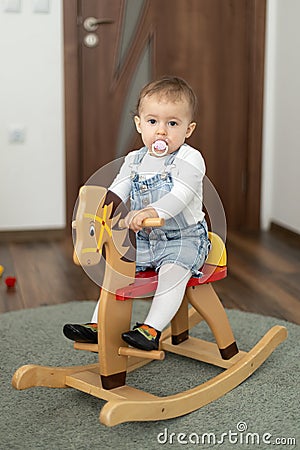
163,179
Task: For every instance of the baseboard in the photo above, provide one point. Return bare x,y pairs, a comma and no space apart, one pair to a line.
32,235
290,235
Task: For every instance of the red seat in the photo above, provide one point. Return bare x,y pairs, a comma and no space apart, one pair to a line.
146,282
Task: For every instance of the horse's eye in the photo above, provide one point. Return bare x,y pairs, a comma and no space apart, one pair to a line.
92,230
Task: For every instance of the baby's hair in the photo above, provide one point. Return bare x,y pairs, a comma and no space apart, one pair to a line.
172,88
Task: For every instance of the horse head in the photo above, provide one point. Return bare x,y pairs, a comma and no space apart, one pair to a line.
97,227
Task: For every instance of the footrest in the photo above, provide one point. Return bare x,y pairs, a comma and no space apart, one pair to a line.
153,354
87,347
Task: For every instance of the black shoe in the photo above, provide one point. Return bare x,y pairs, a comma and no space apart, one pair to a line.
143,337
87,333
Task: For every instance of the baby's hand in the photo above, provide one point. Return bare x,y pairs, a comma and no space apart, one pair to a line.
134,219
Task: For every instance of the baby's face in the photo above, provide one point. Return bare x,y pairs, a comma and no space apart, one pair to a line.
162,119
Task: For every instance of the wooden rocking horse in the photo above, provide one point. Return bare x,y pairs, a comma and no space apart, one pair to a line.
98,225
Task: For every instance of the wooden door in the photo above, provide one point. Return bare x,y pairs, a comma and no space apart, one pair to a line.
216,45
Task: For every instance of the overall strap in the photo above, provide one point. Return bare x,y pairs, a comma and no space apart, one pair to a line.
137,160
169,163
171,158
140,155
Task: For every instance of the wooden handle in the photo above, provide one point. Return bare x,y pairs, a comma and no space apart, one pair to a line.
153,222
149,222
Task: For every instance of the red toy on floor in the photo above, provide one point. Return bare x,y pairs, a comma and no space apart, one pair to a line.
10,282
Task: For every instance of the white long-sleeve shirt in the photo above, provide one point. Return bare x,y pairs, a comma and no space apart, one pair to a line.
186,195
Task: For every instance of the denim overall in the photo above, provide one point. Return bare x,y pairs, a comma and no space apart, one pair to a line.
175,242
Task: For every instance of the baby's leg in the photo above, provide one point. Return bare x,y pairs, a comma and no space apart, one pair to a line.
168,296
84,332
172,281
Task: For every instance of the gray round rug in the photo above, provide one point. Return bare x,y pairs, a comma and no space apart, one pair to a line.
260,413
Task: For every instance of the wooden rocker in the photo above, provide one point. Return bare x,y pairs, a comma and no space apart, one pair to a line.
98,226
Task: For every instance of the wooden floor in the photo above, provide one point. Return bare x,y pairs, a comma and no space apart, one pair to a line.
263,275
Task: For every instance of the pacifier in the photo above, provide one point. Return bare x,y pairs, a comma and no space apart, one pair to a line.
159,148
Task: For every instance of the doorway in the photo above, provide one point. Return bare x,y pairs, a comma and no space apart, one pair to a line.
216,45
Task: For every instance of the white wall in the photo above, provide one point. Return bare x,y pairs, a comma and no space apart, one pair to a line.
32,173
281,148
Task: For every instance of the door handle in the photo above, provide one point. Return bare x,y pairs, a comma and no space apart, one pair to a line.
91,23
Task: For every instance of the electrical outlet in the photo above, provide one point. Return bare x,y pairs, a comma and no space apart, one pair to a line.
16,134
41,6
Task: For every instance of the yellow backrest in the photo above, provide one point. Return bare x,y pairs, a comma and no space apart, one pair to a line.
217,255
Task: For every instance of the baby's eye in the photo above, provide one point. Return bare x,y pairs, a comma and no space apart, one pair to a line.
152,121
172,123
